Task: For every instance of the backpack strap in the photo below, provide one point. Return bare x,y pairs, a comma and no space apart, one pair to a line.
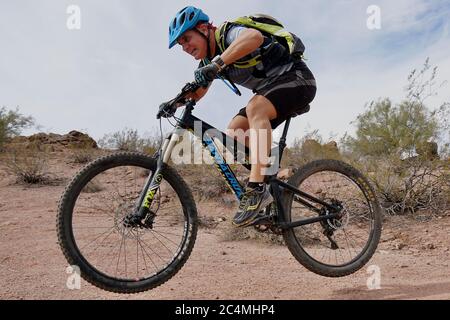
277,31
220,35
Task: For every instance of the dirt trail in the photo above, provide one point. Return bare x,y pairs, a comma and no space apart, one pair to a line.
413,258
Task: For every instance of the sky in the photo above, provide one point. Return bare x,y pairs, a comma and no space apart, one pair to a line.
114,69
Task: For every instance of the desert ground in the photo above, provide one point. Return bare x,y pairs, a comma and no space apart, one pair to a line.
413,256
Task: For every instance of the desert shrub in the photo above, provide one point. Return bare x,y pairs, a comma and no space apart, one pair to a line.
83,153
82,156
29,166
204,180
308,148
125,140
130,140
386,129
12,123
409,185
397,145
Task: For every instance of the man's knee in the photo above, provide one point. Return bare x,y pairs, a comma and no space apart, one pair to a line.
252,110
260,107
237,125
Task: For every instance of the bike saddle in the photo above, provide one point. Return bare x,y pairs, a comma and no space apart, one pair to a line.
299,112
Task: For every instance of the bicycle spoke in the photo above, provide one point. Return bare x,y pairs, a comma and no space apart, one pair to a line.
153,233
112,228
118,257
109,246
151,249
356,224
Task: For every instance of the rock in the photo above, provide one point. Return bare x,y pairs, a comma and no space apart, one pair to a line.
398,244
224,253
404,266
51,142
331,147
332,144
430,246
284,174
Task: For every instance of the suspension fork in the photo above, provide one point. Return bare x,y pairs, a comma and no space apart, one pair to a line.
154,180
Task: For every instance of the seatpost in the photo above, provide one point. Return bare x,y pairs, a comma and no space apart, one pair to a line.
282,143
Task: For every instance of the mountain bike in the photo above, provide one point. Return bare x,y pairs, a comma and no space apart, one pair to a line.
129,221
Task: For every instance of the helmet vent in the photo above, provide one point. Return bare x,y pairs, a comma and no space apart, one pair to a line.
174,23
182,18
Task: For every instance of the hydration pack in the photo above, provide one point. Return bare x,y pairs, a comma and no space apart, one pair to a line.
282,44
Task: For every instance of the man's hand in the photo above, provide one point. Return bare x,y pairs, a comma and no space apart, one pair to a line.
166,110
205,75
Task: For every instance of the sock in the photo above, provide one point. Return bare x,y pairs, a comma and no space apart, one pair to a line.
256,185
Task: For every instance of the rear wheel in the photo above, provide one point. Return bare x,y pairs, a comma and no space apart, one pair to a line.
335,247
110,253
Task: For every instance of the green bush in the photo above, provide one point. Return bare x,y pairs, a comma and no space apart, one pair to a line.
386,129
12,123
129,140
397,146
29,166
308,148
402,129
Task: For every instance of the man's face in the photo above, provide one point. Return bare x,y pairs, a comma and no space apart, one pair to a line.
194,44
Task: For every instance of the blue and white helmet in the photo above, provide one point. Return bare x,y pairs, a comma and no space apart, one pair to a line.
186,19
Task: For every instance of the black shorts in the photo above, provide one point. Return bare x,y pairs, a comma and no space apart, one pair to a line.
291,93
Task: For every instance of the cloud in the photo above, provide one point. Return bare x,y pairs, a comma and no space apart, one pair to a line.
116,70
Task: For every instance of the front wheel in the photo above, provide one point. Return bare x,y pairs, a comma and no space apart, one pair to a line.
110,253
334,247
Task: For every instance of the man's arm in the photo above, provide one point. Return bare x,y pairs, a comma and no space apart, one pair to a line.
246,42
200,93
197,95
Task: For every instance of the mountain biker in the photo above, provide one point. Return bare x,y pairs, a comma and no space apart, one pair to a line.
282,85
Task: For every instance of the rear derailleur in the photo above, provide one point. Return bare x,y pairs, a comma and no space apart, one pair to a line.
331,225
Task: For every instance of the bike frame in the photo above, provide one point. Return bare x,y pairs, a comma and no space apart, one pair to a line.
278,187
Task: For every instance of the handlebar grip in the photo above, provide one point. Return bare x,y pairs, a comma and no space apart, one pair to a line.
211,75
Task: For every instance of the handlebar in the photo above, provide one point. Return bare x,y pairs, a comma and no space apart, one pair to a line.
168,109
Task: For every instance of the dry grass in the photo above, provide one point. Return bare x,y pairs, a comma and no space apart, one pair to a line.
82,156
29,166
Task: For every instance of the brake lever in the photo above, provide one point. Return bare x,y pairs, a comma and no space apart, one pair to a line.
180,98
190,87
